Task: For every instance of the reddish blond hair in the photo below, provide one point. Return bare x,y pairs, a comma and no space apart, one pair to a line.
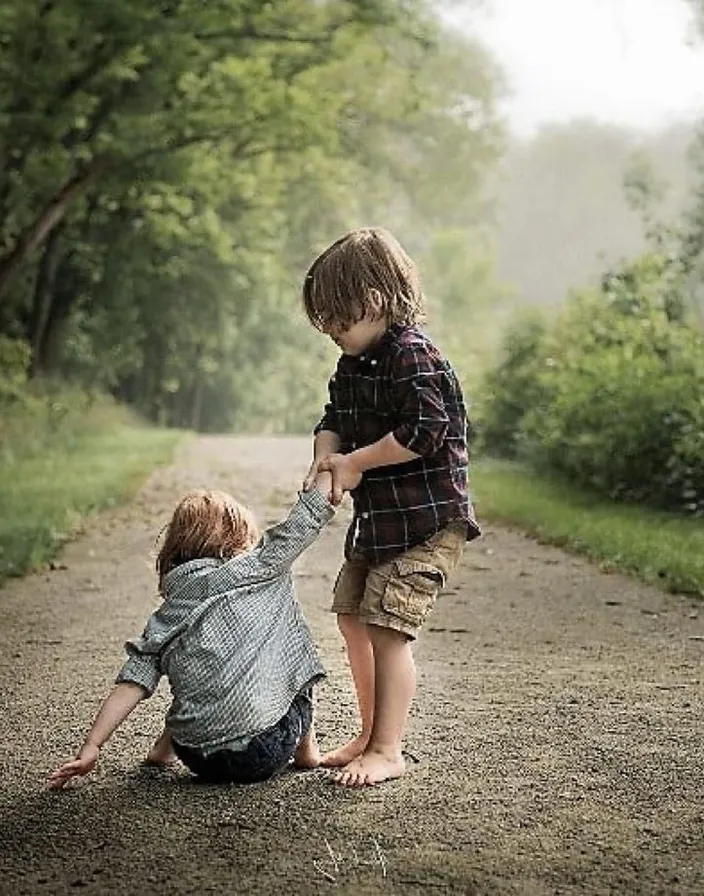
206,524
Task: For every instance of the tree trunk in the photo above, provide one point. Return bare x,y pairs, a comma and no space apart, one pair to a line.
65,293
51,215
197,405
42,301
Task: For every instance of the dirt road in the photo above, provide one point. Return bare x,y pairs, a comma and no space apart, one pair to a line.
556,743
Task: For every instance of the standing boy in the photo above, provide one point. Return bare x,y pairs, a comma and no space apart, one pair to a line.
394,433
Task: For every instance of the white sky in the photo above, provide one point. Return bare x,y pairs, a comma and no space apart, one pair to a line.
624,61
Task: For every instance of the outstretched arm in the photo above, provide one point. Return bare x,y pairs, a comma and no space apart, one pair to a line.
283,543
117,706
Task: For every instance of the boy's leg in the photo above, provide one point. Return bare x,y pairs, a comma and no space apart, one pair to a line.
361,659
395,682
348,594
162,751
307,753
398,597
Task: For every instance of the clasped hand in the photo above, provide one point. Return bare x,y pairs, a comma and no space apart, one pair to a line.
333,475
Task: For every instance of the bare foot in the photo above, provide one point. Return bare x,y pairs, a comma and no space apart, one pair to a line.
157,761
345,754
162,752
307,754
370,768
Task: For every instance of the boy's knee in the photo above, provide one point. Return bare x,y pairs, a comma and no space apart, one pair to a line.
348,624
381,636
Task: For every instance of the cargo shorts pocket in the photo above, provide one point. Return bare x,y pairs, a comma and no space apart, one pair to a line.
411,593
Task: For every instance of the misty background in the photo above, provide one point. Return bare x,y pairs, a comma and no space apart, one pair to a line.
595,91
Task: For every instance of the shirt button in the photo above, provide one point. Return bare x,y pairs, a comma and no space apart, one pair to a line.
373,362
365,516
362,357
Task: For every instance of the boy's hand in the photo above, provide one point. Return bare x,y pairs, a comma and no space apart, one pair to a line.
323,483
311,475
84,763
345,475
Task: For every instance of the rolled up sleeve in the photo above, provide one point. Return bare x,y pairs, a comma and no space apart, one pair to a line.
420,403
143,665
141,669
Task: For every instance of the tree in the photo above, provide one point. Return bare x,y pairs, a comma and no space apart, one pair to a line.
158,222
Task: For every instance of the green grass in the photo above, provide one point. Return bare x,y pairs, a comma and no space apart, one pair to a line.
657,547
47,495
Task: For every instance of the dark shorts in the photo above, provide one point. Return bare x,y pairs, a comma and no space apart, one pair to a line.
265,755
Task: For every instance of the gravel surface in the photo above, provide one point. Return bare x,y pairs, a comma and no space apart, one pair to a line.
555,744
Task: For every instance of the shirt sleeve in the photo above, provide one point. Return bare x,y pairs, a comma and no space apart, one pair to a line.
143,665
420,403
283,543
329,419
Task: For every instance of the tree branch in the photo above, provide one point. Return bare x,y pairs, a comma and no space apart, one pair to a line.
268,36
52,213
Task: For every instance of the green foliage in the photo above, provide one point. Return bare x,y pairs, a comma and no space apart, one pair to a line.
15,358
168,172
512,387
36,418
466,305
611,395
49,494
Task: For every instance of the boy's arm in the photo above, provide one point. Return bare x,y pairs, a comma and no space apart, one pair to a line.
117,706
325,442
422,417
283,543
326,434
422,423
347,469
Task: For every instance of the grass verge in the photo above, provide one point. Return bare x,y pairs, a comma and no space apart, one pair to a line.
657,547
46,495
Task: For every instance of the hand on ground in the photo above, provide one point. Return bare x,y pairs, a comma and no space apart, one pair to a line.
84,763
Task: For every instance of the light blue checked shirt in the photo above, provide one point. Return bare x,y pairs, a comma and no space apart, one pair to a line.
231,638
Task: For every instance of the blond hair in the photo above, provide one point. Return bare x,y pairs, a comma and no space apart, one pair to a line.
365,272
206,524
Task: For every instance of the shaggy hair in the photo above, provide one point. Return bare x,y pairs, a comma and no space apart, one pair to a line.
206,524
364,273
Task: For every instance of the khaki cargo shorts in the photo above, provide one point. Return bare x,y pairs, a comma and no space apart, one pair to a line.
401,593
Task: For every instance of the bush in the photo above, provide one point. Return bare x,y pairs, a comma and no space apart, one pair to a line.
613,394
512,389
36,416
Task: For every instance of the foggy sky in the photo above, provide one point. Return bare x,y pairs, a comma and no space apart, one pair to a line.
623,61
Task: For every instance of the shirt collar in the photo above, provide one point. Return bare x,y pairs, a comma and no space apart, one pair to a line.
175,577
378,349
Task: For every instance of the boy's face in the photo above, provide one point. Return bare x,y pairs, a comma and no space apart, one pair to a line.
357,338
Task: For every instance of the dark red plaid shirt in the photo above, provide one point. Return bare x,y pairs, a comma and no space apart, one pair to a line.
405,386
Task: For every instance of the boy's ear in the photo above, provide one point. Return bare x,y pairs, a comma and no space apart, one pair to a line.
375,304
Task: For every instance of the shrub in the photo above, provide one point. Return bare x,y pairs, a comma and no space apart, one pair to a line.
512,388
613,394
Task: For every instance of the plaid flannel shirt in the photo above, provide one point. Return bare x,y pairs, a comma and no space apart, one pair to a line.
405,386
